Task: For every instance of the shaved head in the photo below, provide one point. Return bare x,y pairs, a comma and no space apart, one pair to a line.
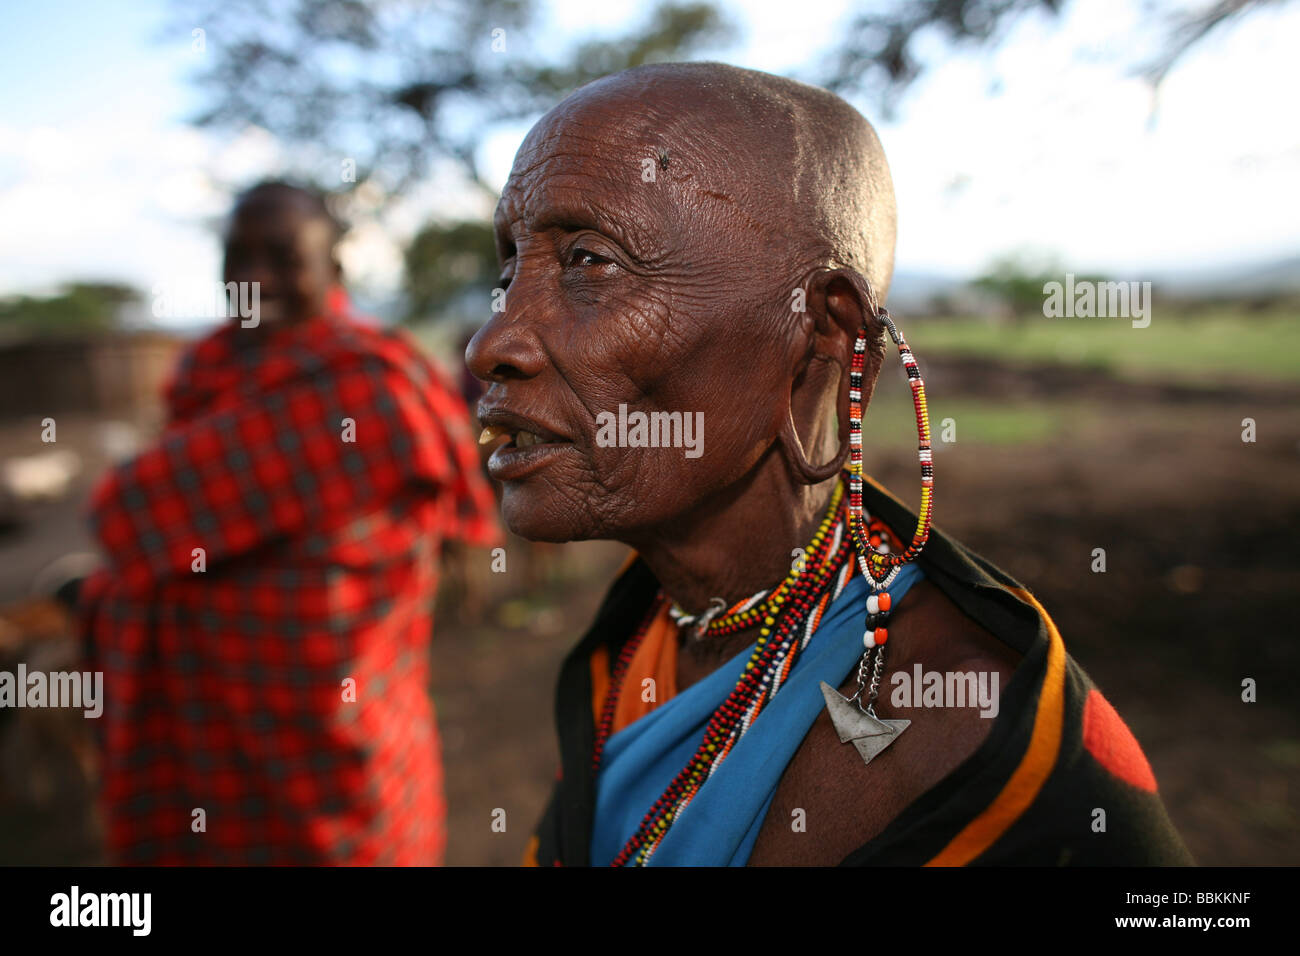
799,164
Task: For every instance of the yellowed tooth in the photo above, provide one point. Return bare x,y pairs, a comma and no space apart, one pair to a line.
491,432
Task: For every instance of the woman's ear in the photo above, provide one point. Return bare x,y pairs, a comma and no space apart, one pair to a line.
832,316
843,301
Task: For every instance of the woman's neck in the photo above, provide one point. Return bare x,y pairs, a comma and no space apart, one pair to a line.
734,545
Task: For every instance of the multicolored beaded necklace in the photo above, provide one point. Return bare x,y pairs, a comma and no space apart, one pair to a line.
794,610
720,619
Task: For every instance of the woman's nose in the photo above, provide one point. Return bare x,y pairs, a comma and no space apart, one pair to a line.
506,347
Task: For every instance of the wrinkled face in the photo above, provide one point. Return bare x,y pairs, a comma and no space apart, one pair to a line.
281,245
629,284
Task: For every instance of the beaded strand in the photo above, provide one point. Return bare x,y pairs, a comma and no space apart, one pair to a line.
881,566
783,634
749,612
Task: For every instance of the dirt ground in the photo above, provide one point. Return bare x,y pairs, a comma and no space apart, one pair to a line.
1199,593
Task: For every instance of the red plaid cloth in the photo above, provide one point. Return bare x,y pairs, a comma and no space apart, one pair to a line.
225,688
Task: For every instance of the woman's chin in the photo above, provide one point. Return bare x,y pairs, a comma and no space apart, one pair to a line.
536,519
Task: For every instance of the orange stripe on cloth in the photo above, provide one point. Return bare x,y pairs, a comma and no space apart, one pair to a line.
530,853
627,563
656,658
599,661
1035,767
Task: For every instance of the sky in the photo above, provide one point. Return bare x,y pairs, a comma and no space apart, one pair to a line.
1046,146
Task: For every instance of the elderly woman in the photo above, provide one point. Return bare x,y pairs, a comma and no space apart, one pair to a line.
697,251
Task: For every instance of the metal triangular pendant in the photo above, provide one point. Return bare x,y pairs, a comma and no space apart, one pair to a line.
869,735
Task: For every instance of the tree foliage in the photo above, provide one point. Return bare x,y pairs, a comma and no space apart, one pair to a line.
78,308
1017,281
446,262
878,55
396,87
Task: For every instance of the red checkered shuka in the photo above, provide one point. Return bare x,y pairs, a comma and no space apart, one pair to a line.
318,467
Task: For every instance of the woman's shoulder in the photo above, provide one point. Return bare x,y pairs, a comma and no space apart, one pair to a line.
1040,769
944,673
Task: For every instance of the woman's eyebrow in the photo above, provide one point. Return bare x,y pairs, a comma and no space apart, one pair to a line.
592,215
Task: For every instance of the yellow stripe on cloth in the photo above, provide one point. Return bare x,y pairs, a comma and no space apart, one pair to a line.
1035,767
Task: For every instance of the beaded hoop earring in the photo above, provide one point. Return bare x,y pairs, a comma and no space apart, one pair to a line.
859,725
880,566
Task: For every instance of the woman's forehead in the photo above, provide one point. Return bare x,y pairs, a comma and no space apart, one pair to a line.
588,143
636,180
577,182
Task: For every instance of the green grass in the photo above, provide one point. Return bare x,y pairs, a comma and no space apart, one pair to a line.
1217,347
890,423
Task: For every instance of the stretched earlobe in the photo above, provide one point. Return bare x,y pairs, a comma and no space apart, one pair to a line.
792,447
803,470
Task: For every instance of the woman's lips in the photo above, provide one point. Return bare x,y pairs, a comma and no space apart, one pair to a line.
524,453
510,461
529,444
520,437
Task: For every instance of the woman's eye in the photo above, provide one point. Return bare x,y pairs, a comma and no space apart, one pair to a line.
584,257
507,270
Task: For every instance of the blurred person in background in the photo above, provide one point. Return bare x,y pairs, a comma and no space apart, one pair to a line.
264,619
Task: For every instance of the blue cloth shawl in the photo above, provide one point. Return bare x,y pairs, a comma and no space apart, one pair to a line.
720,825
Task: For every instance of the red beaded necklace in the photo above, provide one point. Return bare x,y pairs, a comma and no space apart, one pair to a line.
786,630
